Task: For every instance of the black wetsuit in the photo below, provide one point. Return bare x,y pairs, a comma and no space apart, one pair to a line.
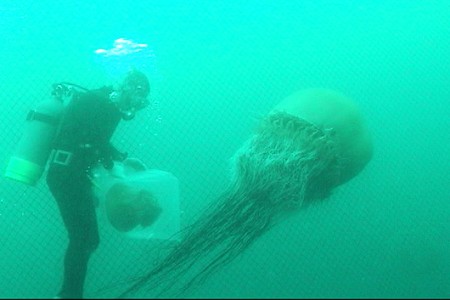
83,140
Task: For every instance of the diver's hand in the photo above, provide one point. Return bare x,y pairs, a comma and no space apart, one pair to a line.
107,163
117,155
135,164
120,156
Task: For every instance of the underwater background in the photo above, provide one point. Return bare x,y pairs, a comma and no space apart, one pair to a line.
215,68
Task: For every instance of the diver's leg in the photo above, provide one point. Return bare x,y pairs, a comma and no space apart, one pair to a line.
77,208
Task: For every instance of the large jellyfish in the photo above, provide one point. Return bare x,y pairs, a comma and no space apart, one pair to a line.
310,143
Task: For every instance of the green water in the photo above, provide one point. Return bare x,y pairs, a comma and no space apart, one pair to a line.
215,67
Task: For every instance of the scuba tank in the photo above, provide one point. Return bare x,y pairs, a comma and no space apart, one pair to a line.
29,160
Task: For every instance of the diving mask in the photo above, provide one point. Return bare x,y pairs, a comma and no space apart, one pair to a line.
130,100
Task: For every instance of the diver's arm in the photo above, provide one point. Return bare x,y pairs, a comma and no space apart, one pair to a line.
109,154
116,154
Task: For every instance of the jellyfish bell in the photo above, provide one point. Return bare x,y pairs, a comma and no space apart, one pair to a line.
311,142
332,111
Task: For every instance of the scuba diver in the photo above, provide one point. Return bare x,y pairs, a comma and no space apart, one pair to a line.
83,142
